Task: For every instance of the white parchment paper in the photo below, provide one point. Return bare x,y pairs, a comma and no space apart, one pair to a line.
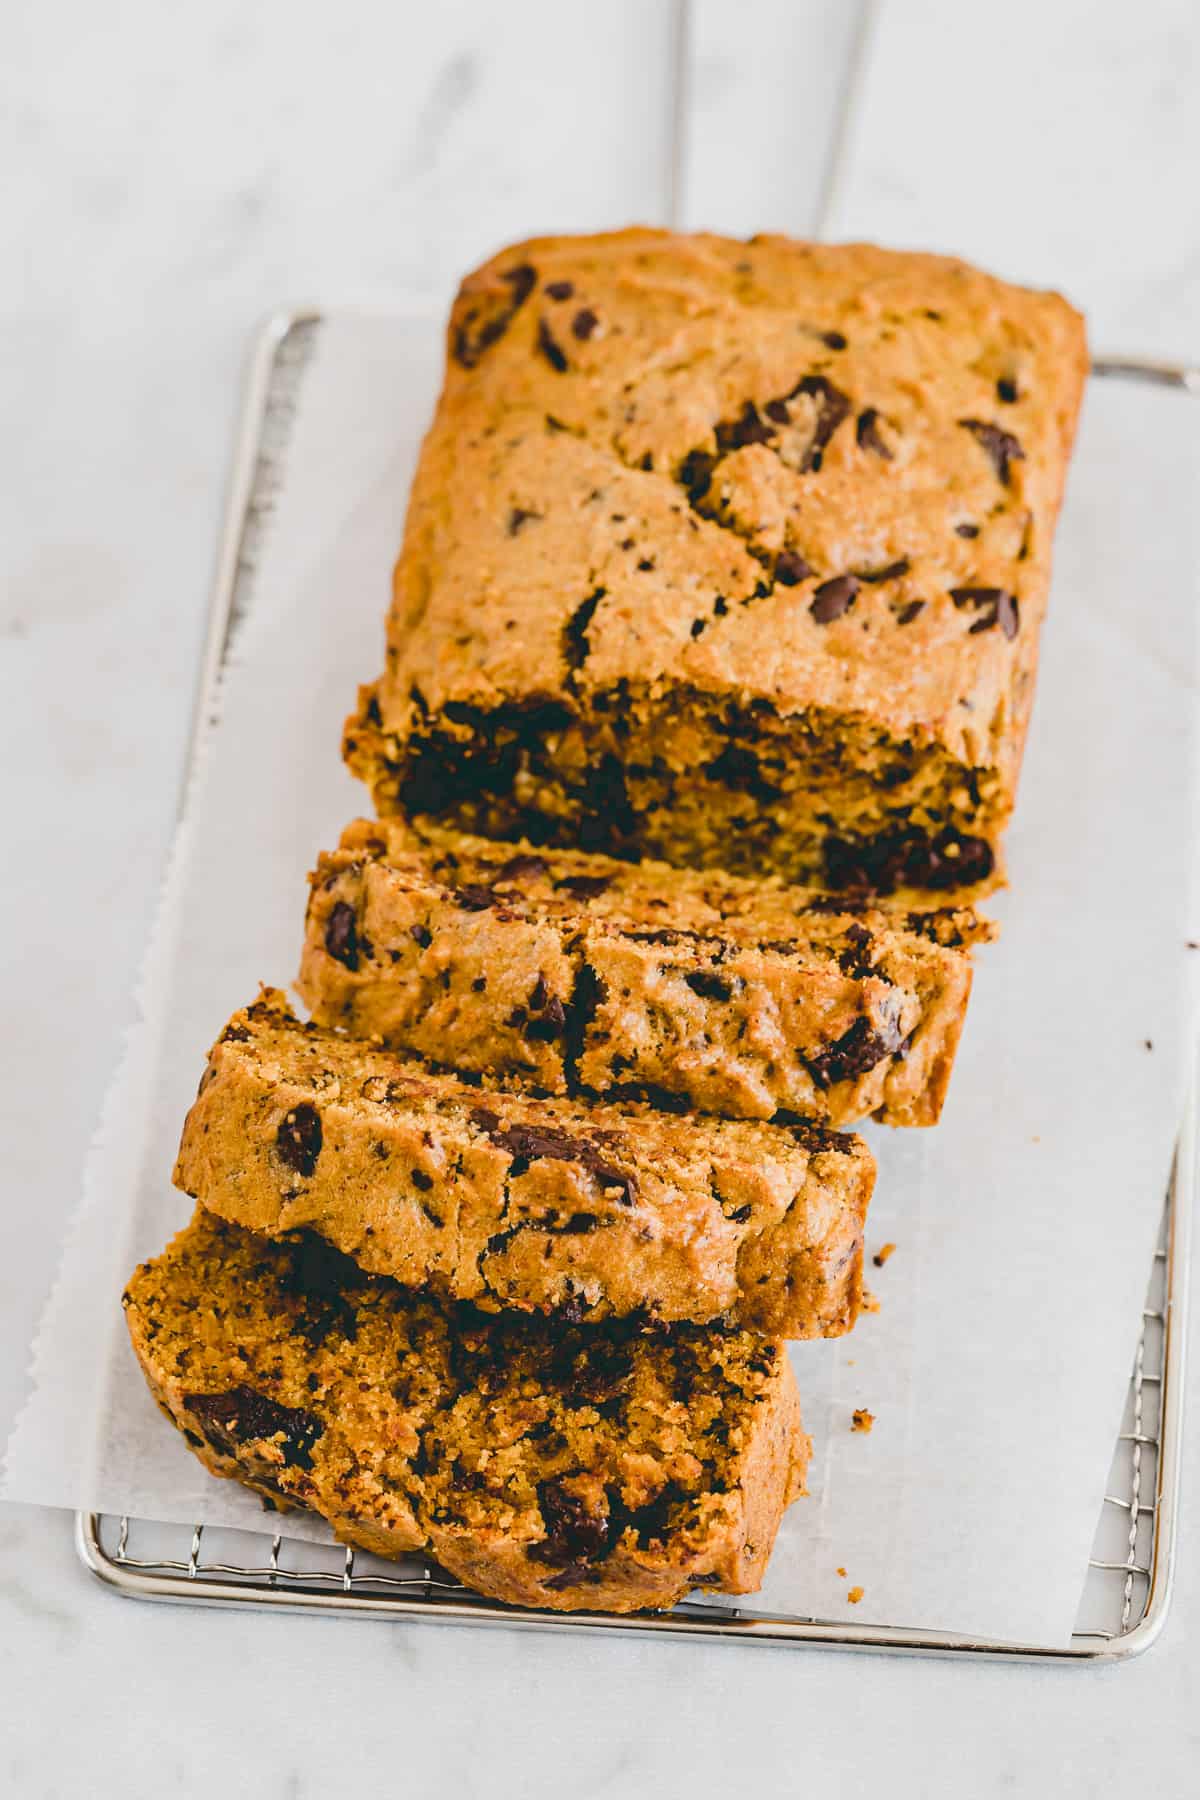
1024,1224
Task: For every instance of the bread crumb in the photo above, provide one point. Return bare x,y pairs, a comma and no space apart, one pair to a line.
842,1573
863,1420
869,1301
855,1595
882,1254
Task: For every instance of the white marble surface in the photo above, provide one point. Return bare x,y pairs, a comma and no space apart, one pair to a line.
170,175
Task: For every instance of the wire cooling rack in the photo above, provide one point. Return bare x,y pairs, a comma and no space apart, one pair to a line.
1127,1583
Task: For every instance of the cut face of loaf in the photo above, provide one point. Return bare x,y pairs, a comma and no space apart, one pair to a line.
510,1201
583,974
561,1467
733,554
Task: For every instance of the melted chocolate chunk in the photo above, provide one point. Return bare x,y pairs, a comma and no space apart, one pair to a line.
298,1139
1006,390
912,609
834,340
791,568
576,648
573,1534
553,352
420,935
1001,446
520,516
867,435
536,1143
833,598
891,572
856,1052
244,1416
521,868
737,767
907,858
695,474
560,290
995,606
709,985
485,322
832,407
584,887
747,428
341,934
584,323
473,897
967,530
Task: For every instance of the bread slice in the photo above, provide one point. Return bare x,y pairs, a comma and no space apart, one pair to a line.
507,1200
545,1465
582,974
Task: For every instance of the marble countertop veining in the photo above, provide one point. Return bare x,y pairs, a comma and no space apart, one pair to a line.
171,175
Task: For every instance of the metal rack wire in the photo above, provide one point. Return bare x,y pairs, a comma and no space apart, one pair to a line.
1128,1578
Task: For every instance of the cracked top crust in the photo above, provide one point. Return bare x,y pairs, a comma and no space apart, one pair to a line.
823,477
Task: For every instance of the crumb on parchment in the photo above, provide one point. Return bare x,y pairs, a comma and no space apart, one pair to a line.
882,1254
870,1302
863,1420
855,1595
842,1573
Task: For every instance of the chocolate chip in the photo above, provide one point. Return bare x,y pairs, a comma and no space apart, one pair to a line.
912,609
892,572
421,1180
1006,390
1001,447
584,887
519,516
833,340
645,565
966,530
520,868
341,935
737,767
833,598
550,349
995,606
560,290
739,1215
695,474
832,407
421,935
867,436
234,1034
747,428
474,897
573,1534
709,985
298,1139
485,322
535,1143
791,568
242,1415
584,323
777,410
856,1052
576,648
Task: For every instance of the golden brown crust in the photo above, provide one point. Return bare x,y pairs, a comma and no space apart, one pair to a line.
582,974
710,541
589,1211
560,1468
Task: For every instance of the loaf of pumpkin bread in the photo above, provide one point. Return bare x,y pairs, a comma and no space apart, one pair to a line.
730,553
